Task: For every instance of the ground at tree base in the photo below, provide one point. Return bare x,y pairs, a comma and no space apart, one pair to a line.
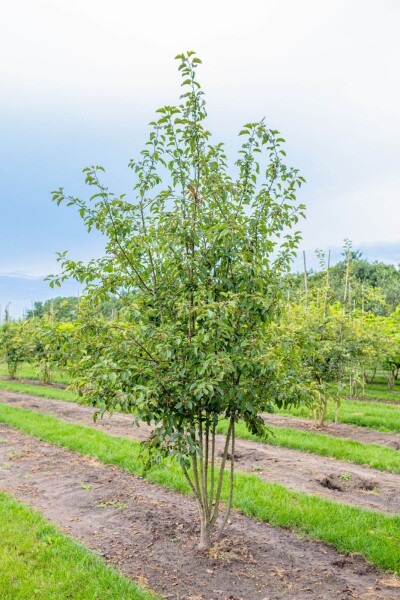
150,534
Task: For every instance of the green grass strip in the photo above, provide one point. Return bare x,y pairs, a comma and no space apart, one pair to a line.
374,415
38,561
372,455
349,529
374,391
28,371
42,391
378,390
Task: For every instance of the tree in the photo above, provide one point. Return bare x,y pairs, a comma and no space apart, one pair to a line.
16,345
391,359
317,327
48,341
59,309
369,276
197,259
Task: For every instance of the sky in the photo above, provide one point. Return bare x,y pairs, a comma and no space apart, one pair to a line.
80,80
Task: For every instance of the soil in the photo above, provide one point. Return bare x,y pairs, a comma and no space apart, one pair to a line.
150,534
381,400
296,470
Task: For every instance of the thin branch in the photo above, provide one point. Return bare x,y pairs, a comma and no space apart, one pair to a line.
104,202
221,475
212,483
229,507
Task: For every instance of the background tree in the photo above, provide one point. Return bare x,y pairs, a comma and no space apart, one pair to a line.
197,258
57,309
374,276
16,344
48,344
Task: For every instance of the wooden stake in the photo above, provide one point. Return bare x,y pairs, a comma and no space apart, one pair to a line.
305,277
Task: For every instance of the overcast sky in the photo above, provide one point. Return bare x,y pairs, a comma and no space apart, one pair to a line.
80,80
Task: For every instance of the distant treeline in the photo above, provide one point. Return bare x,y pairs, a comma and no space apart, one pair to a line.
67,308
365,276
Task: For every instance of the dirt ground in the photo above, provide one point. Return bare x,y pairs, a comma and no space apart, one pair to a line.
150,534
299,471
381,400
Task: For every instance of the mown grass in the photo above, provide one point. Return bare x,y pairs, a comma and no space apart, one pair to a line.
38,561
349,529
28,371
381,380
375,415
41,391
372,455
381,392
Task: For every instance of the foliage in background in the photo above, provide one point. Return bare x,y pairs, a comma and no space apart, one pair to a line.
67,308
16,345
372,276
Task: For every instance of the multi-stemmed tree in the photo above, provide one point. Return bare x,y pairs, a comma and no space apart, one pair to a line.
197,257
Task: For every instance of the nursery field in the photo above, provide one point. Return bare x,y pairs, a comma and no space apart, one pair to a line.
308,501
201,422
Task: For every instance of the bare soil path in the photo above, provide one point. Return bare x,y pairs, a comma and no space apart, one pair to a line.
380,400
150,533
299,471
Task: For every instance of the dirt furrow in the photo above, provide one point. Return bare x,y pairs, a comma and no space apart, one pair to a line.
381,400
150,534
299,471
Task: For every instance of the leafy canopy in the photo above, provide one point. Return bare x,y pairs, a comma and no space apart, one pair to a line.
197,258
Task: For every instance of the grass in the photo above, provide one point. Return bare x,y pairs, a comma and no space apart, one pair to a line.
28,371
349,529
380,392
41,391
375,415
38,561
381,380
373,455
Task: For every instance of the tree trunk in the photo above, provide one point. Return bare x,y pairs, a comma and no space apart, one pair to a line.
370,379
205,536
391,381
206,493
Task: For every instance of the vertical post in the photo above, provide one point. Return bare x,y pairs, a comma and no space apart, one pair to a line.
346,284
305,277
362,327
327,283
